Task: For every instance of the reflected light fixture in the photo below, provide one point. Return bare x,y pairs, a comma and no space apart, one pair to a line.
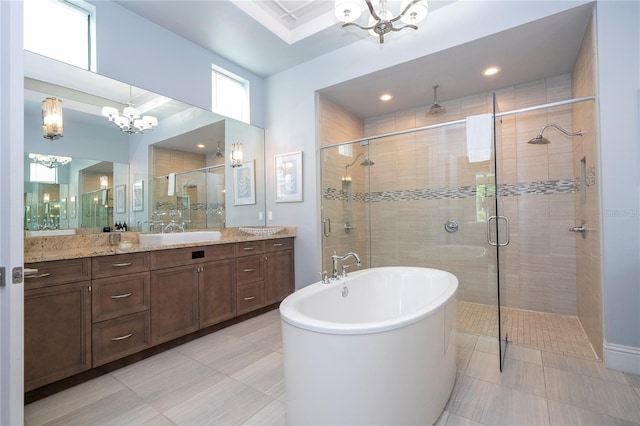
236,155
50,161
382,21
130,121
45,197
52,122
104,182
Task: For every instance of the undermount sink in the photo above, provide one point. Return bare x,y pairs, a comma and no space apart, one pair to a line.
178,238
50,233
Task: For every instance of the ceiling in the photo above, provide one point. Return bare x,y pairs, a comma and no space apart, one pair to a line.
272,35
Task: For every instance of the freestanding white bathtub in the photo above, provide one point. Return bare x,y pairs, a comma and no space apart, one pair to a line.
380,352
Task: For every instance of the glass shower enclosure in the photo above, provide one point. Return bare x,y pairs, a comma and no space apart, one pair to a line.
414,198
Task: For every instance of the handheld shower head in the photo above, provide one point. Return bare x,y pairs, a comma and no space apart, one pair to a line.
541,140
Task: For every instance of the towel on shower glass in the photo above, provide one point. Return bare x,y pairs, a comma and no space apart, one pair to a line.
479,137
172,184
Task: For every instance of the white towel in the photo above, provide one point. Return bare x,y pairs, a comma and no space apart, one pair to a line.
479,137
172,184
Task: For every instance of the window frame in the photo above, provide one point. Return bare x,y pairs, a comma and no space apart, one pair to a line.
245,113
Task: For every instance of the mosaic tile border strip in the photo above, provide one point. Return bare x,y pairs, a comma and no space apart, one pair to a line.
562,186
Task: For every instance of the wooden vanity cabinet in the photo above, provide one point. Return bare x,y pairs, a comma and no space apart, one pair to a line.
265,273
57,321
278,270
191,288
119,306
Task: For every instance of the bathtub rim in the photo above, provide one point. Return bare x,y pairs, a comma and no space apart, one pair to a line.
290,314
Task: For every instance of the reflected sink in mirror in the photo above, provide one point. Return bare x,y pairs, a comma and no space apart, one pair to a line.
50,233
179,238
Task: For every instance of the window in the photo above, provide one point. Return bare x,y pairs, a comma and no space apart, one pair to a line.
41,173
230,95
62,30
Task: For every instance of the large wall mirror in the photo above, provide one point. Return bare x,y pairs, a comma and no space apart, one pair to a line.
97,175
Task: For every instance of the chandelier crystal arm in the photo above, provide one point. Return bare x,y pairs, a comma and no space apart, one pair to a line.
372,11
404,26
404,11
359,26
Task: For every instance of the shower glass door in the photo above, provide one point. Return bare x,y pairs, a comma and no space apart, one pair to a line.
417,201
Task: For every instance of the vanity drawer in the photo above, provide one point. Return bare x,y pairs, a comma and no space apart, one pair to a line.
120,337
278,244
117,296
161,259
248,269
249,297
58,272
249,248
119,264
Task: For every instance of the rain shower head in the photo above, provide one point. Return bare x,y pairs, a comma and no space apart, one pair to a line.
435,108
367,162
541,140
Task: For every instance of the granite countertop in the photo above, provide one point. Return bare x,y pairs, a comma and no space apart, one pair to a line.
42,249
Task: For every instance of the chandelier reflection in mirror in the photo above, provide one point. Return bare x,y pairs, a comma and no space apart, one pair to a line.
52,123
50,161
382,21
130,120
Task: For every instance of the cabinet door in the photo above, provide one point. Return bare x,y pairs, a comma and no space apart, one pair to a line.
217,298
57,333
174,303
278,280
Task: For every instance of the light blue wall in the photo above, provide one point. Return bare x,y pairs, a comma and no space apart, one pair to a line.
618,36
138,52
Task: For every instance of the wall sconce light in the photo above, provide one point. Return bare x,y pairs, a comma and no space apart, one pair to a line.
45,197
236,155
104,182
52,123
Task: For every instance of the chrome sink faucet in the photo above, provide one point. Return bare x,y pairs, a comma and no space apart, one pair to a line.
335,258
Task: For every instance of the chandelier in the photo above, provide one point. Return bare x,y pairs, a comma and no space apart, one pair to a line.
382,21
130,120
50,161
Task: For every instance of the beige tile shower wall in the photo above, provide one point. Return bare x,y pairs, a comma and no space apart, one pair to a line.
539,270
589,286
166,161
336,124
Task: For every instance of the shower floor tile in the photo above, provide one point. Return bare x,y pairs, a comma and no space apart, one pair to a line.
559,333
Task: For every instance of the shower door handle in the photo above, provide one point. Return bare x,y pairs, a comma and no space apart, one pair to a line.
506,226
326,224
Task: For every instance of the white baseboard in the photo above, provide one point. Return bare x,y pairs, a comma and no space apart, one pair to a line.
622,358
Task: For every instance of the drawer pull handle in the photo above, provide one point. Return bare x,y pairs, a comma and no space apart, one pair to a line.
120,265
46,274
278,245
126,336
248,248
121,296
249,270
249,298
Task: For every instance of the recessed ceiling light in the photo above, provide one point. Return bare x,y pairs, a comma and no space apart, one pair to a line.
493,70
385,97
200,145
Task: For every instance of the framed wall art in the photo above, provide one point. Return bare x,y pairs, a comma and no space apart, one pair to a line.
244,184
119,199
288,181
138,196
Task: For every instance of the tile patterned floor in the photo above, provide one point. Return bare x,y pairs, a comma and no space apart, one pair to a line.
558,333
235,377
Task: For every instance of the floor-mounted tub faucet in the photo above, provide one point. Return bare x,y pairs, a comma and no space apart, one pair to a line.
335,259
